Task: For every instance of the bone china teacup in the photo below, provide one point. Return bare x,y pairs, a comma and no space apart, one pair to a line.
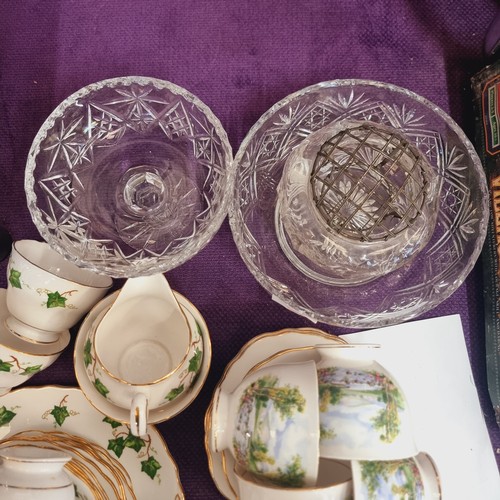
46,294
363,412
141,354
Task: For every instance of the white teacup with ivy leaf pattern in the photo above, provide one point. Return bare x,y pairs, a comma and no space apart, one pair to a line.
21,359
146,360
46,294
270,424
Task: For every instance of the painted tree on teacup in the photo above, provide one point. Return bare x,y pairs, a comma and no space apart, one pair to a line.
397,478
337,384
261,398
54,299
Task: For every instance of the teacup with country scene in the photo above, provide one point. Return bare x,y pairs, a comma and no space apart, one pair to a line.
270,424
363,412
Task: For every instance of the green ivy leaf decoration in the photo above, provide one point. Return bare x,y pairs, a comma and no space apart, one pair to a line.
116,446
55,299
30,370
101,387
114,424
195,361
174,392
134,442
87,357
6,416
60,413
5,366
15,278
150,467
198,328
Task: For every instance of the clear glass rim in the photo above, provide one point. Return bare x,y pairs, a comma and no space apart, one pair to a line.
273,287
160,265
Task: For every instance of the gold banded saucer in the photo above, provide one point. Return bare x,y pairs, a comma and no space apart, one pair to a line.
108,462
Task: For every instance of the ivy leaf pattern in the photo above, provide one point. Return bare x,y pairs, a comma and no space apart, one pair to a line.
60,413
117,446
114,424
15,278
55,299
87,357
174,393
6,416
195,361
30,370
198,328
101,387
150,467
134,442
5,366
123,438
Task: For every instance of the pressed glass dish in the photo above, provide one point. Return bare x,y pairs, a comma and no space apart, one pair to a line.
397,293
129,176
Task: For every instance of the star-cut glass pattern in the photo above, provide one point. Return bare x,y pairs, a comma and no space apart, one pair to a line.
102,130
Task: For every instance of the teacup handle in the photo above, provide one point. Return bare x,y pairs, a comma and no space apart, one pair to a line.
138,415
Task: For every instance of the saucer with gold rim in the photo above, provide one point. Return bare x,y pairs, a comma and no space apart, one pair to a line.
156,415
61,418
257,350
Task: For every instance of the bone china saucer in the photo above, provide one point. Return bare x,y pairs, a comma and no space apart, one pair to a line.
121,414
257,350
107,461
17,343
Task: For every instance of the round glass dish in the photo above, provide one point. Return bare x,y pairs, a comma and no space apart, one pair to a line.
424,281
129,176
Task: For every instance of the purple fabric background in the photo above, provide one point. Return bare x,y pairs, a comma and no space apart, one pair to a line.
239,57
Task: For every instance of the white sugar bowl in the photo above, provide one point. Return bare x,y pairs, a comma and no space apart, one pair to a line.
28,472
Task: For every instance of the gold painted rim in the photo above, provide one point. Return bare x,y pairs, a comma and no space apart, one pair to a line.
432,463
65,336
69,280
155,416
314,347
208,414
177,368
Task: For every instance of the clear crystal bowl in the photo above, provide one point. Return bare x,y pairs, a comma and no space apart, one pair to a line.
129,176
289,271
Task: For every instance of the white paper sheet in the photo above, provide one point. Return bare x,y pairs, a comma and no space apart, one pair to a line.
429,360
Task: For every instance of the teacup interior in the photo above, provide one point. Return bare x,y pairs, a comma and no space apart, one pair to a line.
140,342
42,256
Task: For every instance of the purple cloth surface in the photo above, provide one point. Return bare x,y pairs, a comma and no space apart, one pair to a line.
239,57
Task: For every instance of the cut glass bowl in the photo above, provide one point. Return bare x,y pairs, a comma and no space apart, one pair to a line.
286,265
129,176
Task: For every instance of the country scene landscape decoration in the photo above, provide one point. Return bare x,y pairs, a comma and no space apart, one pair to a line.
382,400
396,479
262,402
